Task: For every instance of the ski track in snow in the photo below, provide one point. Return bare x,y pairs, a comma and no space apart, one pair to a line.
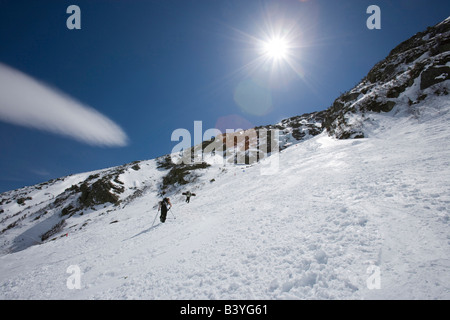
311,231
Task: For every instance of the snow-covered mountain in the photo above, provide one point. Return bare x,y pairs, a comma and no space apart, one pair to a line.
357,208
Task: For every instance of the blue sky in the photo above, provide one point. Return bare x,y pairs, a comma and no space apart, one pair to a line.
150,67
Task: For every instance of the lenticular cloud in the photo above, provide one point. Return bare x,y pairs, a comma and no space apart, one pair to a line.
25,101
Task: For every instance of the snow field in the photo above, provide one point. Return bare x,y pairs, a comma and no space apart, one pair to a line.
334,210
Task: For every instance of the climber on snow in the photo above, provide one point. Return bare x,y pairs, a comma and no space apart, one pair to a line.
163,207
188,195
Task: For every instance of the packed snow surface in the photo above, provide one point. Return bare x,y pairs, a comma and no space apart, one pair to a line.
339,219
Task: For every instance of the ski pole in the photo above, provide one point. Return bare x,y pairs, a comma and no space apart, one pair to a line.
154,219
172,212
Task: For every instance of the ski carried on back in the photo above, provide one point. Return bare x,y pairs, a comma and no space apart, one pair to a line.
163,207
188,195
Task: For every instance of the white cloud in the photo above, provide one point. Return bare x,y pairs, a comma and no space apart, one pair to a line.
25,101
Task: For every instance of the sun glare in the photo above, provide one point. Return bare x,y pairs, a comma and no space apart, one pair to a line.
276,48
274,59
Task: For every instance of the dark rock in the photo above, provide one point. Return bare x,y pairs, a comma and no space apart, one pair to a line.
434,75
99,192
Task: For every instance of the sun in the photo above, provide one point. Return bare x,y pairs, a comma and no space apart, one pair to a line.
276,48
273,52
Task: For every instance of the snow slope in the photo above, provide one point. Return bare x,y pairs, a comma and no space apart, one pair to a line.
337,215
